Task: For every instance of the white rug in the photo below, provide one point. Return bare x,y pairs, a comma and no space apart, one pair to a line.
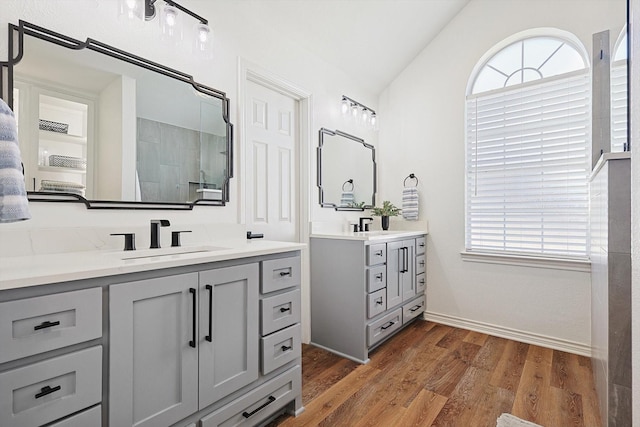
508,420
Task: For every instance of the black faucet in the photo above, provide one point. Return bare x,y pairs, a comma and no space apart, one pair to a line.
361,225
155,231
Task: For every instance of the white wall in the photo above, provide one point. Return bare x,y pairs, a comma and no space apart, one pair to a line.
423,132
236,35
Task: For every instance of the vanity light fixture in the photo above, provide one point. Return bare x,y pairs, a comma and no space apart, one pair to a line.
170,17
355,110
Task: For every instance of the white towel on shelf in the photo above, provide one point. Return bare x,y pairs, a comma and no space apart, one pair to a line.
347,198
410,203
13,196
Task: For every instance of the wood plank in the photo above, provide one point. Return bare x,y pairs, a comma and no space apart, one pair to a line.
490,354
317,383
422,411
451,368
569,408
476,338
509,369
460,406
533,395
453,338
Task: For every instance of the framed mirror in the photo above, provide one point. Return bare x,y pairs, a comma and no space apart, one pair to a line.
102,126
346,171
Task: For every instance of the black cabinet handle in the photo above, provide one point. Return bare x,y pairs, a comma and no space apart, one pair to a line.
417,307
47,390
421,262
248,414
45,325
379,302
379,253
406,259
379,276
192,343
285,348
210,336
285,273
283,309
388,325
422,281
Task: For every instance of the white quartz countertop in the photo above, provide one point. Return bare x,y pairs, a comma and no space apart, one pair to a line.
374,235
33,270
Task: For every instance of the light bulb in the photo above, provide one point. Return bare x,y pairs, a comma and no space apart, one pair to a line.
354,110
131,10
345,106
373,120
170,24
365,115
203,41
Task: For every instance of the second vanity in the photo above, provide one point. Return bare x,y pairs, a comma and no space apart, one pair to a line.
365,286
207,337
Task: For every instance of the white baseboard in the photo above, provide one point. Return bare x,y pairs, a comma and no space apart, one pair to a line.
512,334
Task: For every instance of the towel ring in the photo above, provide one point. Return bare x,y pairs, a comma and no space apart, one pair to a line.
411,176
349,181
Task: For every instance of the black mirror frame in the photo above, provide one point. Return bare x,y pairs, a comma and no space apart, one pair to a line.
325,131
15,54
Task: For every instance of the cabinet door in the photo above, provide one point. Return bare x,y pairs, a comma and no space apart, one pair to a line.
395,271
153,357
408,275
228,331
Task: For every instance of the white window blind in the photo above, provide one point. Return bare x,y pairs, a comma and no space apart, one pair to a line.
527,163
618,106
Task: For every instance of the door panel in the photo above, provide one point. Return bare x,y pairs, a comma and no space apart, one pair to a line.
153,367
271,163
229,315
394,273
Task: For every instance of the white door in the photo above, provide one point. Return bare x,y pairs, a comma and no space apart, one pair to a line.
271,163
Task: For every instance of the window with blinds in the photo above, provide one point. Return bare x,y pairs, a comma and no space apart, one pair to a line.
527,164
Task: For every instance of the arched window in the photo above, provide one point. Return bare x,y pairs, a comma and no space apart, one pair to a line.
619,94
528,148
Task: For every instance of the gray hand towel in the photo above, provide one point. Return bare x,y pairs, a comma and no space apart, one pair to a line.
13,196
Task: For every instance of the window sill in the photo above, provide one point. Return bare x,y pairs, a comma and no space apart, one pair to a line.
583,266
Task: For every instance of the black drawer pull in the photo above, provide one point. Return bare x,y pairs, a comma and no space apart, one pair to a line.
286,347
421,245
388,325
421,262
379,253
283,309
285,273
47,390
45,325
192,343
379,276
248,414
379,302
422,281
417,307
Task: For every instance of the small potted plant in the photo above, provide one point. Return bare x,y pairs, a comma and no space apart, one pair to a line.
387,210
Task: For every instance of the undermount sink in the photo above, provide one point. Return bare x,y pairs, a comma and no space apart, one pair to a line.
166,252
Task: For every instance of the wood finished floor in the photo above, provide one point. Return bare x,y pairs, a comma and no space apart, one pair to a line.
436,375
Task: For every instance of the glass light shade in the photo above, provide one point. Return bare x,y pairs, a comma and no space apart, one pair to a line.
354,110
203,40
374,120
345,106
131,10
170,24
365,115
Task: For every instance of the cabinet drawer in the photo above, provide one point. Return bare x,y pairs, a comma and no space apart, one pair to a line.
259,403
377,254
46,391
421,264
89,418
421,245
35,325
384,327
280,274
413,309
376,303
376,278
279,311
421,283
280,348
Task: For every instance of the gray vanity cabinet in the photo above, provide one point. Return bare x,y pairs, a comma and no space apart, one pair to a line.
180,343
363,291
